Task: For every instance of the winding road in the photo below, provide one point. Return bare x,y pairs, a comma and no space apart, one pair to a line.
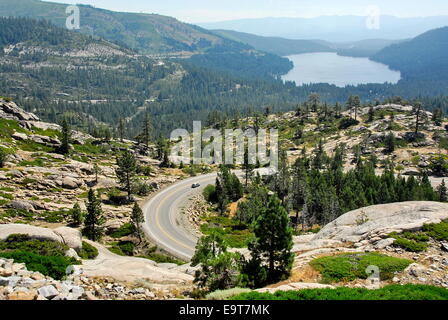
162,221
162,215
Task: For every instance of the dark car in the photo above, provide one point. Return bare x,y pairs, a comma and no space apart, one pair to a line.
196,185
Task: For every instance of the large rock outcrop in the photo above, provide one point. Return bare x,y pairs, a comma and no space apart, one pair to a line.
376,222
131,269
33,232
9,110
70,237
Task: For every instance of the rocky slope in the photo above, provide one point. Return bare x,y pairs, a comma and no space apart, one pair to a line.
38,188
367,138
368,230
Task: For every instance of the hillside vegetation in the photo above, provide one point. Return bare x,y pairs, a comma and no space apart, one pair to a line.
156,35
423,57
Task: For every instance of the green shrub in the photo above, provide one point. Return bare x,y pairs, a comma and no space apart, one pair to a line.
437,231
123,248
116,197
210,193
346,123
45,256
88,252
235,235
391,292
412,242
141,188
123,231
410,245
20,242
352,266
145,170
52,266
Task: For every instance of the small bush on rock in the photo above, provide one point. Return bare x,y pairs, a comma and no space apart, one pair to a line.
88,252
352,266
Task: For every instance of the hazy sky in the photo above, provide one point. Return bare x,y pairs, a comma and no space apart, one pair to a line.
196,11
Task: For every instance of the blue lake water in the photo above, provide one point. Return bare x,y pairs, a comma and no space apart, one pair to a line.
328,67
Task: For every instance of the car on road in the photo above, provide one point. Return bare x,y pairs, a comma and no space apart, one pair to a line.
196,185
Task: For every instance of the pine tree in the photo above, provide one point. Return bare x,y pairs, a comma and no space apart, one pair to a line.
77,215
66,136
121,129
271,249
127,167
137,219
166,163
93,225
390,142
314,101
443,192
437,117
96,170
248,168
371,114
219,269
418,108
223,199
146,131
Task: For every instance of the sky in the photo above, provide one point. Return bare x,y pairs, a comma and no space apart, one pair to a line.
197,11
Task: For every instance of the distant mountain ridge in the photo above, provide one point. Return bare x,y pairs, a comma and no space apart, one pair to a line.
332,28
286,47
276,45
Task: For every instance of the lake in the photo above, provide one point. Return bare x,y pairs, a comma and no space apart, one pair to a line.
328,67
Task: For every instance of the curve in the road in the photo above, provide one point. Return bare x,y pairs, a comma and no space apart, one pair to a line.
161,216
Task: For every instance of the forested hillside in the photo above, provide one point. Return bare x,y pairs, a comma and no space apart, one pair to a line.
276,45
422,58
63,74
158,36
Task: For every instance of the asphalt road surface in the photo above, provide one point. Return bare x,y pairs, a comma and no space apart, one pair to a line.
162,216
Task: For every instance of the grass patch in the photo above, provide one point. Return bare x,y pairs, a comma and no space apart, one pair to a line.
88,252
123,248
161,258
55,216
391,292
124,231
32,146
352,266
6,196
8,127
18,213
39,162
